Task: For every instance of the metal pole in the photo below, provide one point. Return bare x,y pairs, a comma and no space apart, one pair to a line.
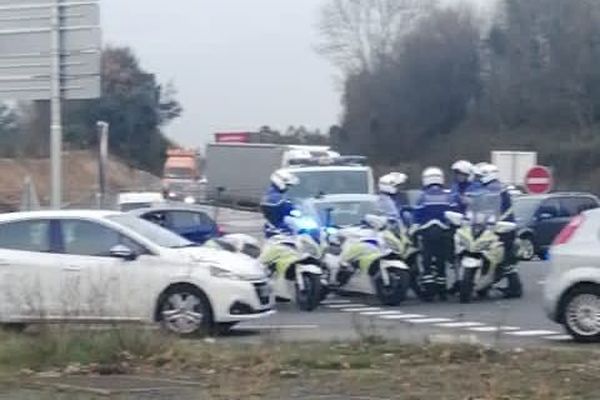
102,159
55,109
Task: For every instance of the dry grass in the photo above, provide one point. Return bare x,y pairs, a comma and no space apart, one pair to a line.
375,369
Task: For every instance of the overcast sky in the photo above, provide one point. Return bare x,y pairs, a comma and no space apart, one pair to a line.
237,64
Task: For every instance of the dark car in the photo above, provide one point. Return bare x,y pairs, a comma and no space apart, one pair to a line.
541,218
189,221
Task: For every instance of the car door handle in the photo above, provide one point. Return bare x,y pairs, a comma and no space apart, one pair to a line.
72,268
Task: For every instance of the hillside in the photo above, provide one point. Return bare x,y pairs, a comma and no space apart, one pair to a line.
80,178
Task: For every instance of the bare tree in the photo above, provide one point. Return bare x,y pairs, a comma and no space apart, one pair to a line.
357,34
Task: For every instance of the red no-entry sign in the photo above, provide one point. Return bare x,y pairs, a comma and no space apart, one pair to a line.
538,180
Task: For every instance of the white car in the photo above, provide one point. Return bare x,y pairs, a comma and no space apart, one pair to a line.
105,266
572,290
134,200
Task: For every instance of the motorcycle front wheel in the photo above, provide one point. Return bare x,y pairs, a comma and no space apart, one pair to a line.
466,285
309,298
394,293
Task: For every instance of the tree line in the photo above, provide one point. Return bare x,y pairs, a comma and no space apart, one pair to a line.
426,83
135,105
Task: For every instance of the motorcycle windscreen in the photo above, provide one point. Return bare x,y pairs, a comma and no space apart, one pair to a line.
484,208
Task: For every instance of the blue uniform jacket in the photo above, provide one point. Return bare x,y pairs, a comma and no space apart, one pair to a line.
432,205
460,191
275,207
506,201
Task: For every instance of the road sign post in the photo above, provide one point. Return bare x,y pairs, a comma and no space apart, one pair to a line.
538,180
50,50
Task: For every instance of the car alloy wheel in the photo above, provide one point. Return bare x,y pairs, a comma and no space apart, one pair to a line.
183,312
582,315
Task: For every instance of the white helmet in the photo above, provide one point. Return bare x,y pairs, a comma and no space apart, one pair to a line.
283,179
433,176
489,173
389,183
479,168
463,167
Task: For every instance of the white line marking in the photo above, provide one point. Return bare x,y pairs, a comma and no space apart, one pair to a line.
336,301
334,306
428,320
377,313
532,333
276,327
359,309
405,316
494,328
559,338
542,282
459,324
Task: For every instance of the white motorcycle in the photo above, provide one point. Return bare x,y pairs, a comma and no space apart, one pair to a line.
479,250
370,261
294,263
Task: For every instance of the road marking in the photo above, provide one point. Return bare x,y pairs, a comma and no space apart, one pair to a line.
378,313
559,338
427,320
494,328
334,306
532,333
542,282
336,301
276,327
358,309
404,316
459,324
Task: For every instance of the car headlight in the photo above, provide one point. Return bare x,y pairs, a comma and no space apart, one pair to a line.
223,273
172,194
189,200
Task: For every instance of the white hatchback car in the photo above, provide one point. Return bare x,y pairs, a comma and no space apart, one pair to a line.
572,290
104,266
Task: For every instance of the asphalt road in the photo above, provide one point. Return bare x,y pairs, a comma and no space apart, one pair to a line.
493,320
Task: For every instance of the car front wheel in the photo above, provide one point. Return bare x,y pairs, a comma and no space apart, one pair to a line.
185,311
526,249
582,313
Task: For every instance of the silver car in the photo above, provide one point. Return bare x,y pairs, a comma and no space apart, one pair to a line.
572,290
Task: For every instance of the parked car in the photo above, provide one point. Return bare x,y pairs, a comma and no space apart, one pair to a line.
191,222
135,200
572,289
105,266
540,218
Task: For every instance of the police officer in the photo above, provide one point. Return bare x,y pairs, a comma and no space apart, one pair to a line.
490,183
463,174
434,232
390,199
275,205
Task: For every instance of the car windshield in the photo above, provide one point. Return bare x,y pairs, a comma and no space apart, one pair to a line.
179,173
154,233
315,183
524,208
346,213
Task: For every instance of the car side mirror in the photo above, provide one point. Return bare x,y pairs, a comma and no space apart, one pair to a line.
123,252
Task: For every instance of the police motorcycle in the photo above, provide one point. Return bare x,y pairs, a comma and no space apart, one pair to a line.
293,261
479,251
370,260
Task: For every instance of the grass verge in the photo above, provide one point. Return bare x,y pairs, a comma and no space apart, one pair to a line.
373,369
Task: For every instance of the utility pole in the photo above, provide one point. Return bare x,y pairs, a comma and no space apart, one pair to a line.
55,107
103,128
